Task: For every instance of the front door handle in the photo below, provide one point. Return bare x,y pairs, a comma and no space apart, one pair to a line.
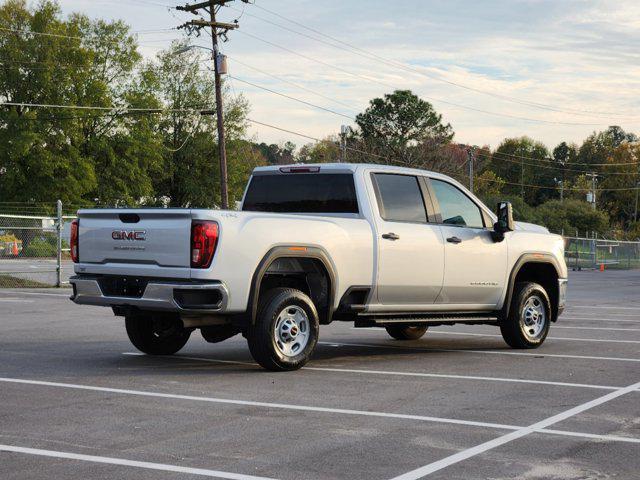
391,236
454,240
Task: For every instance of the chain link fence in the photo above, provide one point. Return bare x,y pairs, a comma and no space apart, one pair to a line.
593,253
34,249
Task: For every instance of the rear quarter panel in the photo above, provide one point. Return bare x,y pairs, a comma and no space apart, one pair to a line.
246,237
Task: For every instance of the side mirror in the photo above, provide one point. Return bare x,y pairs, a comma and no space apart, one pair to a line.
505,221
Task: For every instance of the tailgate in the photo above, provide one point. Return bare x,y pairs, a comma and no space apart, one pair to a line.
154,237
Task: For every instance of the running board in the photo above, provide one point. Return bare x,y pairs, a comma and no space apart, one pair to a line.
364,321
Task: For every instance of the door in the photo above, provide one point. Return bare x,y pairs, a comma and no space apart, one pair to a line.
410,250
475,265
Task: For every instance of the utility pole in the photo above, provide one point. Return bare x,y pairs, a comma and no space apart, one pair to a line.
594,177
344,130
471,157
217,29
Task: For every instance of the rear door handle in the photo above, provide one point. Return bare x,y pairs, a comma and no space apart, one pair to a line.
454,240
391,236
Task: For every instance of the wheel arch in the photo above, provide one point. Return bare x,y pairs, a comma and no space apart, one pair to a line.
275,263
540,268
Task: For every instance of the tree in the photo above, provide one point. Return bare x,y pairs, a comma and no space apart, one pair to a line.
597,147
393,126
564,155
514,162
571,216
324,151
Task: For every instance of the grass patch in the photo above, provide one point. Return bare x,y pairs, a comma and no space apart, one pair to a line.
7,281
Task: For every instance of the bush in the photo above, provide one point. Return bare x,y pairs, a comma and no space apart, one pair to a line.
40,247
571,216
521,211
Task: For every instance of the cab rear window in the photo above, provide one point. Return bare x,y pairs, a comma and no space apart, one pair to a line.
302,193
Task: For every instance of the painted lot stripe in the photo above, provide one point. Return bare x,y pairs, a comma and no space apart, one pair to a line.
569,313
609,329
61,295
510,437
604,307
468,334
129,463
564,319
402,374
250,403
483,352
317,409
15,300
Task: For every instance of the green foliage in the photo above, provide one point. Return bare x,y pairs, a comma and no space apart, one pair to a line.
399,122
521,211
571,216
518,173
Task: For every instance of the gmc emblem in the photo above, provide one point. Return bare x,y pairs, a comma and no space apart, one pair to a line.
133,235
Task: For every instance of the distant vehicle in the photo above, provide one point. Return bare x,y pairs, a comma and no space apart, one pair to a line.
379,246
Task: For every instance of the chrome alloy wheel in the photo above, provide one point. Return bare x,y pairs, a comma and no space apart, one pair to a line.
291,332
533,318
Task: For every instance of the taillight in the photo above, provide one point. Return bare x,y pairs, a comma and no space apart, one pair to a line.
75,225
204,237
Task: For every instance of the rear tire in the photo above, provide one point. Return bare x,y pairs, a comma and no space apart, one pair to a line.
285,332
156,333
407,332
527,323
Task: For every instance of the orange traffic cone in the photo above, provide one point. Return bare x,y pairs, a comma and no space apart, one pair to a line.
602,267
15,249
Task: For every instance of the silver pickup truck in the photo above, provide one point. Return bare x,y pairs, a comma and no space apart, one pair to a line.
375,245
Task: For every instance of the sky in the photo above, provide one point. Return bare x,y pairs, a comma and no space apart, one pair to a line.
552,70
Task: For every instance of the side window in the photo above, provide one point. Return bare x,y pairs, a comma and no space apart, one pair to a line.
400,198
456,208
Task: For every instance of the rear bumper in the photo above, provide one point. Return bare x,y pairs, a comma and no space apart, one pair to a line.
174,296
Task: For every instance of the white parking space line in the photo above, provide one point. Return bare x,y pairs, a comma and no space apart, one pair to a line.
403,374
484,352
15,300
468,334
608,329
510,437
604,307
600,320
61,295
250,403
365,413
129,463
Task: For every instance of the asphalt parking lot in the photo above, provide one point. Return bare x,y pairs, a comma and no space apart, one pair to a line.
77,401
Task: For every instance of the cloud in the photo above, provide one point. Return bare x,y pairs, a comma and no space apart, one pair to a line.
575,55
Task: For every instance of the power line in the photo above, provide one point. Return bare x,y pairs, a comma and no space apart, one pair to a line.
362,52
309,104
284,80
111,109
458,105
77,37
552,187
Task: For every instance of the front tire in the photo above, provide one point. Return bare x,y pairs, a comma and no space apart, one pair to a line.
156,333
285,332
406,332
529,317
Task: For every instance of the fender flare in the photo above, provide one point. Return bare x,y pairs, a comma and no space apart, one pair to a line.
291,251
525,258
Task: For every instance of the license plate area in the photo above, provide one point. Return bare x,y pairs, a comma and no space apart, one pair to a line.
130,287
